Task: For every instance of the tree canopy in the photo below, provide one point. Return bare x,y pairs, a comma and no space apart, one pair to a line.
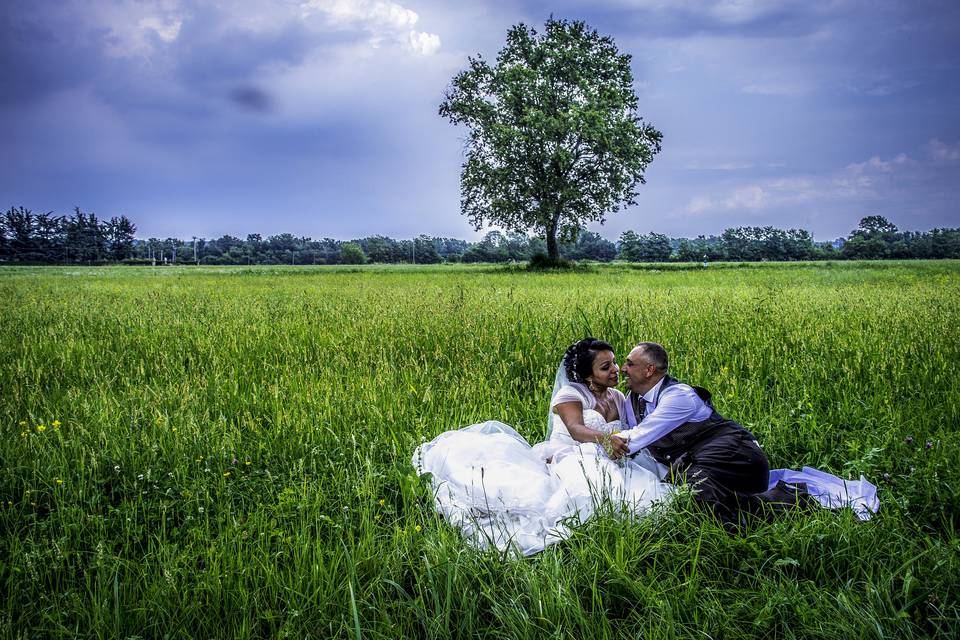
554,136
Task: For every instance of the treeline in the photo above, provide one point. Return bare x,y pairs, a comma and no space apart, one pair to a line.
82,238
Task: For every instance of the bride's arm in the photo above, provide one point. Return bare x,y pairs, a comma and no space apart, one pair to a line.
572,415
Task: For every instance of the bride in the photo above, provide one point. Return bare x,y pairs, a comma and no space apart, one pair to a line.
502,492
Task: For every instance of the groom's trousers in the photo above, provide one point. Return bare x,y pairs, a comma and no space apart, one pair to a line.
726,472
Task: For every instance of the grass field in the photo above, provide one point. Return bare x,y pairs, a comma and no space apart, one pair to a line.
225,452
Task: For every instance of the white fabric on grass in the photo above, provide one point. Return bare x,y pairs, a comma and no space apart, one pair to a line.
832,492
489,482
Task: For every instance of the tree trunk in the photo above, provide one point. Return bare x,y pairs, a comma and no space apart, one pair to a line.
553,250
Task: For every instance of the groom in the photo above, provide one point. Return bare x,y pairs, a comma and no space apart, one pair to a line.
683,431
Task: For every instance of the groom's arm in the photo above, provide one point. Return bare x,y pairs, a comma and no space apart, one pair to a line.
673,410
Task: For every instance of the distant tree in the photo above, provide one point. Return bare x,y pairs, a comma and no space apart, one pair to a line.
5,253
120,235
872,225
825,251
798,244
425,252
19,233
590,246
701,248
945,243
450,248
351,253
493,248
380,249
554,138
657,247
328,251
170,250
873,239
628,247
653,247
86,238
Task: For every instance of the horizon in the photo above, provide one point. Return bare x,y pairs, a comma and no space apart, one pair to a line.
319,118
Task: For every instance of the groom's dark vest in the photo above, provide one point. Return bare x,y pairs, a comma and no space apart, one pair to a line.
690,437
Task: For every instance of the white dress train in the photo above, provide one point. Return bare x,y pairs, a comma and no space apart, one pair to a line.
501,492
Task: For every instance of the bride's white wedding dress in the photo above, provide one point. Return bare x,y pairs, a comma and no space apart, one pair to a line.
501,492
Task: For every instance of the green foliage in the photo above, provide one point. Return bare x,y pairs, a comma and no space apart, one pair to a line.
653,247
589,246
554,140
351,253
543,262
225,452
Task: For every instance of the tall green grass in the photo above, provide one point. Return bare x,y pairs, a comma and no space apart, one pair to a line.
202,452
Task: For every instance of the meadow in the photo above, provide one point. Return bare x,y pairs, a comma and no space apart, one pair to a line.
225,452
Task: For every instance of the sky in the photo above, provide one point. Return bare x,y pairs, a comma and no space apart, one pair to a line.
319,117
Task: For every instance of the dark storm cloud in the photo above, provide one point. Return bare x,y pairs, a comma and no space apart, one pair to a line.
251,99
206,54
38,59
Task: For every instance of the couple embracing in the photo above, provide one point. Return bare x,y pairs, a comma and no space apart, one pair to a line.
672,422
602,447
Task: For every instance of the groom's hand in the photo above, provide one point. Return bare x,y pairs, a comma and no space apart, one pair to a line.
619,446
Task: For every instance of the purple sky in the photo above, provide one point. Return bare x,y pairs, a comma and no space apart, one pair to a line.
319,118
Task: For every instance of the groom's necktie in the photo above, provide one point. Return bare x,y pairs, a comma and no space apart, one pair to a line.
641,409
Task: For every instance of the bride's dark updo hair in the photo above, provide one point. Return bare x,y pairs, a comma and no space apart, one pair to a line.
579,357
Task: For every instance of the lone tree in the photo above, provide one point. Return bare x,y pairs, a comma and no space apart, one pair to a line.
555,140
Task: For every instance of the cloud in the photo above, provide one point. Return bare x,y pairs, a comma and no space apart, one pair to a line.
167,29
384,21
752,197
870,179
699,204
375,12
131,28
251,98
863,178
423,43
942,151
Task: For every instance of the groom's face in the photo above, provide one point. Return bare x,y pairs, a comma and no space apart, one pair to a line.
638,372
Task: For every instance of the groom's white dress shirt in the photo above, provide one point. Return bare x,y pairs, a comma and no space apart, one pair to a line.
678,405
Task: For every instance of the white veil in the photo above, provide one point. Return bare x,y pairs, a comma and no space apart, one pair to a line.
559,380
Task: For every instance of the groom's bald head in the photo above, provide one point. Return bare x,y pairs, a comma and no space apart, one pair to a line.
645,366
653,353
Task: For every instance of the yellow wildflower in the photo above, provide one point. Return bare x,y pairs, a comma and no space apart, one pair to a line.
56,424
226,474
59,481
418,528
382,502
41,428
